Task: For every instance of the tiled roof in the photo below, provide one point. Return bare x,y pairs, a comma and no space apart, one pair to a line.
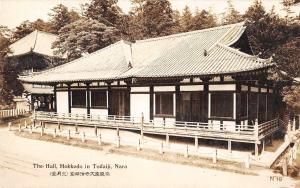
38,42
105,64
37,90
170,56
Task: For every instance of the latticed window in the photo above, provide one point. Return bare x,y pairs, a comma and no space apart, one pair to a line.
164,103
98,99
222,104
78,98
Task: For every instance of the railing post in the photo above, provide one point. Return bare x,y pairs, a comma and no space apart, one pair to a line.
19,127
9,126
69,135
83,137
294,124
229,146
161,148
54,134
99,139
118,141
142,126
76,128
196,142
42,131
289,128
186,154
284,167
256,131
247,161
215,156
96,131
167,139
138,147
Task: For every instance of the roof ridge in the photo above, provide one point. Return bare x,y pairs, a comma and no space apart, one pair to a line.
23,38
75,60
35,40
189,33
48,33
242,54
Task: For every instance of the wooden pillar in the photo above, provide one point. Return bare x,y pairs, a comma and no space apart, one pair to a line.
177,96
127,102
151,102
238,105
109,97
257,106
69,98
88,105
55,98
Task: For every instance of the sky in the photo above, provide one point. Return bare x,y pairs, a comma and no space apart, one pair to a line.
13,12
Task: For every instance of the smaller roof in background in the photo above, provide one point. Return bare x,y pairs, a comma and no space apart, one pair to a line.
37,42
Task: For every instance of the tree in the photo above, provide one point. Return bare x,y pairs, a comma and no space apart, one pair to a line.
186,19
232,15
153,18
270,35
5,94
84,36
255,12
104,11
22,30
202,20
41,25
60,17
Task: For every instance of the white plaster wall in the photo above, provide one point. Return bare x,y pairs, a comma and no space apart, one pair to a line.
62,102
215,125
140,89
254,89
244,88
192,88
224,87
78,110
164,88
229,125
168,121
140,103
101,112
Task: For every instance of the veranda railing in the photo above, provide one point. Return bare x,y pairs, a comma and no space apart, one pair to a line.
255,132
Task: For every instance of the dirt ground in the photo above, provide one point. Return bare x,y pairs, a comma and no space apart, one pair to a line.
18,156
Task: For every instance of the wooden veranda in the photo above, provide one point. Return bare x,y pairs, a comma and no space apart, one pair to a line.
243,133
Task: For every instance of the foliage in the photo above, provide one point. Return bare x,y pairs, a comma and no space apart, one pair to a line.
203,19
84,36
291,96
60,17
186,20
5,94
22,30
270,35
152,18
104,11
232,15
